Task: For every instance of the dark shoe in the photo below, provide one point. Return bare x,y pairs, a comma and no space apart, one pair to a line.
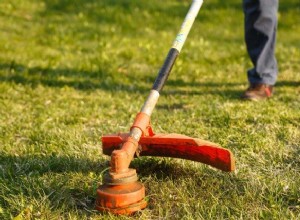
257,92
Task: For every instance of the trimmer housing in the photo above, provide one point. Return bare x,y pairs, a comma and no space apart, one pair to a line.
121,193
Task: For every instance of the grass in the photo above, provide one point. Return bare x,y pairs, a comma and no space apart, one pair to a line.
71,71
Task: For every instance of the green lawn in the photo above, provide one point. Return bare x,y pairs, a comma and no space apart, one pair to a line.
73,70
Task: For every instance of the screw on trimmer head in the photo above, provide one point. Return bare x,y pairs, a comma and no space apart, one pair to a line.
121,193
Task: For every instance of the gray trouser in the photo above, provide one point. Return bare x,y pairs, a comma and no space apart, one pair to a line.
260,38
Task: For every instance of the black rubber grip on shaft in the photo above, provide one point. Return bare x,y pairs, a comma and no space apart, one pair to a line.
165,70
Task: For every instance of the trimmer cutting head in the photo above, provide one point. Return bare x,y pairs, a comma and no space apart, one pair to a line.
121,199
125,195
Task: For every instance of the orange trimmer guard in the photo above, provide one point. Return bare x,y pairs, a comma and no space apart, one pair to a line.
176,146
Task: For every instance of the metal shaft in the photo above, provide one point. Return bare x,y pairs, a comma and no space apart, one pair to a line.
166,68
121,159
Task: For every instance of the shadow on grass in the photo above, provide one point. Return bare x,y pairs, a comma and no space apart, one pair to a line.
57,179
225,89
33,164
204,182
169,169
92,80
207,182
287,83
81,80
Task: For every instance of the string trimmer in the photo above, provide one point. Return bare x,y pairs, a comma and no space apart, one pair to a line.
121,193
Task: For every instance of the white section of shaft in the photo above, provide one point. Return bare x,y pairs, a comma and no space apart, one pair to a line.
177,44
148,107
150,102
187,24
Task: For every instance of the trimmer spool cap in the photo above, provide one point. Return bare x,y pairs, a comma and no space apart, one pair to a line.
121,199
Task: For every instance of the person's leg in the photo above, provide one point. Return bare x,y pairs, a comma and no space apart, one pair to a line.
260,38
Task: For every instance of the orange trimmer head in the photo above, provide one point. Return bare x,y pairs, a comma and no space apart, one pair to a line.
121,193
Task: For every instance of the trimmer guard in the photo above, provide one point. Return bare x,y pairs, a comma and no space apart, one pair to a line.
176,146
